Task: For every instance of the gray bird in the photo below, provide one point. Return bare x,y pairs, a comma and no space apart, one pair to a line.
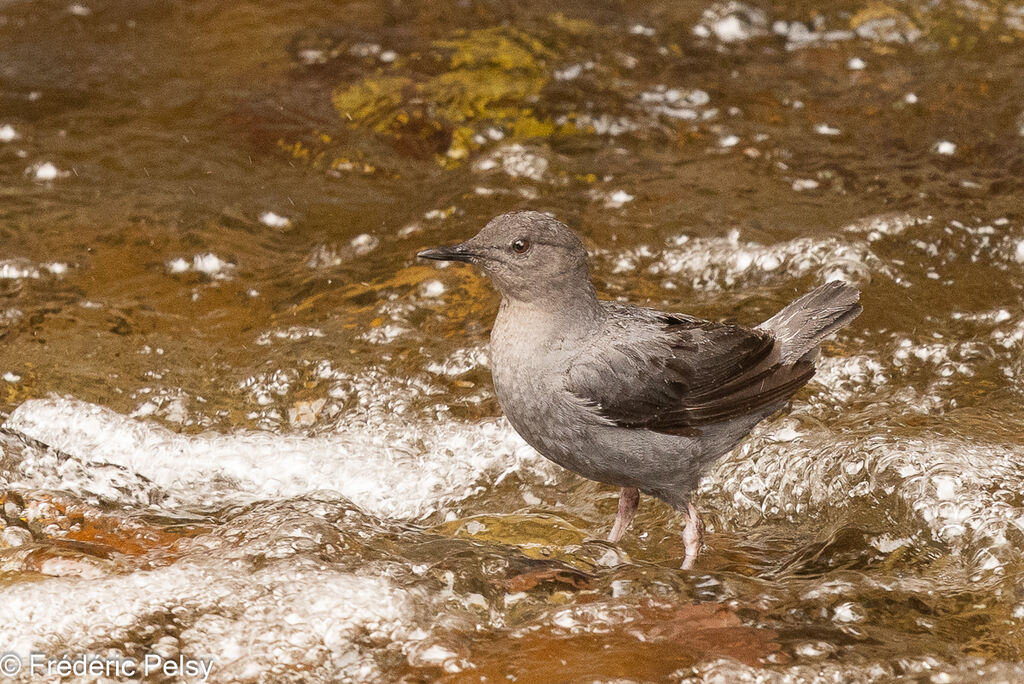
630,396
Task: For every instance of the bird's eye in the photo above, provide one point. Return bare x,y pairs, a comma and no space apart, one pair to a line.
521,246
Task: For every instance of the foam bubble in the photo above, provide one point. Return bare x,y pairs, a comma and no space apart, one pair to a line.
460,361
676,103
617,199
517,161
290,334
273,220
717,263
730,670
955,487
283,614
45,172
384,464
16,269
732,22
432,288
208,264
363,243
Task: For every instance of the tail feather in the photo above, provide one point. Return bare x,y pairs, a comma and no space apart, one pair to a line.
801,326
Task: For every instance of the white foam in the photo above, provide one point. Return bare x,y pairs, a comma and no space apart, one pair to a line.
517,161
439,214
801,184
618,198
178,265
461,361
273,220
732,22
324,256
676,103
384,334
432,288
313,56
641,30
211,265
290,334
715,671
845,378
954,485
717,263
7,133
938,355
383,464
287,616
208,264
569,73
1018,252
890,28
886,225
45,172
364,243
364,49
17,269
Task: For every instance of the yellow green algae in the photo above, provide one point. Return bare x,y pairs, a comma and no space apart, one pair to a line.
462,92
490,77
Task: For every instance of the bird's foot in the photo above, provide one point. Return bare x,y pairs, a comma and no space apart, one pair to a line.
629,499
693,536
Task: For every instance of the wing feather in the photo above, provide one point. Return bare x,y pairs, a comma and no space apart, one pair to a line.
672,373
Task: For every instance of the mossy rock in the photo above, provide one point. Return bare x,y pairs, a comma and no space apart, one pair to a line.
483,78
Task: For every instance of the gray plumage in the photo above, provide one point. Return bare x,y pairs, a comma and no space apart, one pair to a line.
626,395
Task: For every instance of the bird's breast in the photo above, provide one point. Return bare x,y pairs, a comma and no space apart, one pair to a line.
528,366
522,380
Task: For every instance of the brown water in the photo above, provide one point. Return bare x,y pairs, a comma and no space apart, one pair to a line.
246,424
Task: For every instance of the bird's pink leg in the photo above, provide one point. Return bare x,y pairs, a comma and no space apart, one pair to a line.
693,536
629,499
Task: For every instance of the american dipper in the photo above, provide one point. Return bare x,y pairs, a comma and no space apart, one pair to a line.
630,396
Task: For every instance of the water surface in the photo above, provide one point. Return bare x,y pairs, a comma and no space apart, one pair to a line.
243,422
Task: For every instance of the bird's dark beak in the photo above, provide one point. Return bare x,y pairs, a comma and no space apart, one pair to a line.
449,253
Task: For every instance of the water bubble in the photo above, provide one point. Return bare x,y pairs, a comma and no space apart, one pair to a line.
273,220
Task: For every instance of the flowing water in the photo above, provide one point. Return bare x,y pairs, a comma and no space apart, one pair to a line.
242,422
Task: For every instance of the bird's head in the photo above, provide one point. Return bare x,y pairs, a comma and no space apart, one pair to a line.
529,256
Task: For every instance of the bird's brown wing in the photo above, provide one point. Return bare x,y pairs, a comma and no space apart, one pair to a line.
673,373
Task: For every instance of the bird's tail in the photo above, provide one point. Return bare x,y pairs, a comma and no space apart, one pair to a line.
804,323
